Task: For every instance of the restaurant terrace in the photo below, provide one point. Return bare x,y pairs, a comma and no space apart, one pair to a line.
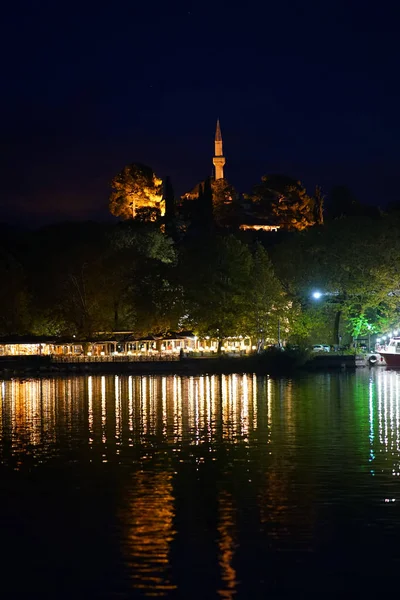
123,344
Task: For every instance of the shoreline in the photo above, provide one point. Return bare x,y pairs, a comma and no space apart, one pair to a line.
266,364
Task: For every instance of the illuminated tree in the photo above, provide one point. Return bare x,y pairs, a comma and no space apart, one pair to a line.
136,187
148,214
283,201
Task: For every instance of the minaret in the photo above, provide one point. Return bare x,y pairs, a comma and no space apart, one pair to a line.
219,158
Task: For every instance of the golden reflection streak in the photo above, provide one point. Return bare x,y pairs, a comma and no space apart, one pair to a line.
226,545
225,389
174,406
48,417
29,405
254,403
199,397
207,408
198,420
118,424
235,404
244,409
164,396
130,402
2,402
254,382
178,430
90,408
269,404
151,394
143,404
275,511
148,529
103,408
214,411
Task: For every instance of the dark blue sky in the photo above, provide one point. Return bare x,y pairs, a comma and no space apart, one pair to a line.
309,89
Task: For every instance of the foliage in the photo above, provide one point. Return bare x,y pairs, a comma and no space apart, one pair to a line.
157,298
170,218
283,201
319,199
342,202
216,278
223,200
135,188
227,209
169,199
148,214
81,275
144,239
310,324
79,278
357,268
204,217
14,296
266,302
360,325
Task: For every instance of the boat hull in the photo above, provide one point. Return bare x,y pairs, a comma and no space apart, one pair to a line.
391,359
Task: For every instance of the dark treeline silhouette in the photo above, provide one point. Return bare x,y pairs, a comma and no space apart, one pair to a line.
190,271
188,263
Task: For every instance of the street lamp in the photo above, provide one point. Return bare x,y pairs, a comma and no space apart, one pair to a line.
317,295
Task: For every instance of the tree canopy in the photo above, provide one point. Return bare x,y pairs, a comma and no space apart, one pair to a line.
134,190
79,278
283,201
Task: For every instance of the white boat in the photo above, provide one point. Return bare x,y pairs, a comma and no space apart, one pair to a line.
391,352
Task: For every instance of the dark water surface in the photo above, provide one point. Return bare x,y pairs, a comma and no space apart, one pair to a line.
200,487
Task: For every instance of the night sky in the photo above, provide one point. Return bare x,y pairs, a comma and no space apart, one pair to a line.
309,89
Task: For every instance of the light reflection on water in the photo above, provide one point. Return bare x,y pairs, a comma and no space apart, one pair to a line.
212,473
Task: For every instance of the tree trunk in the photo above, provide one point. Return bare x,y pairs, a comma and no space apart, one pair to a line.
336,327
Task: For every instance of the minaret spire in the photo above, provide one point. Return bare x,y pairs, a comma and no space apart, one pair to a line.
219,159
218,135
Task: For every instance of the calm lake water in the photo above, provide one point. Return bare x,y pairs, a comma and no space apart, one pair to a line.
205,487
